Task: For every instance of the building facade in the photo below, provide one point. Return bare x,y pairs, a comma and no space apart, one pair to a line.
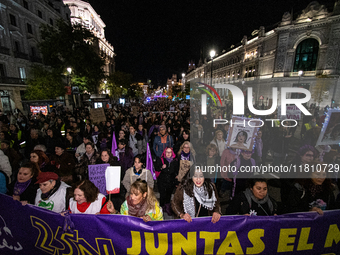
83,13
299,52
20,21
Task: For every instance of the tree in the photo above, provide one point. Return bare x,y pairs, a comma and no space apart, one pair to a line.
321,89
73,46
46,84
119,83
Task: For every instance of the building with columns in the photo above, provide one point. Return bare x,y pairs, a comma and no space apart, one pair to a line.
301,51
20,21
83,13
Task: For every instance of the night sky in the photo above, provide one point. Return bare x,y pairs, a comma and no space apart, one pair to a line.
154,39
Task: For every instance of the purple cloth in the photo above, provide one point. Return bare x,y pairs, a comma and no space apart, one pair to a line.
20,187
114,144
149,162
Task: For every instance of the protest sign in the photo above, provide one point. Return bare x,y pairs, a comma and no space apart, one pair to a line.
242,133
97,176
97,115
330,132
292,113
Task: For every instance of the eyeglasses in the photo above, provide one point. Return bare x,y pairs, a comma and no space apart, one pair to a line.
309,155
186,147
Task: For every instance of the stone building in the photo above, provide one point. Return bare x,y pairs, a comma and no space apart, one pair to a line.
83,13
301,51
20,21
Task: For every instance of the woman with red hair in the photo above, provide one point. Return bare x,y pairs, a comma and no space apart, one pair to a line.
167,169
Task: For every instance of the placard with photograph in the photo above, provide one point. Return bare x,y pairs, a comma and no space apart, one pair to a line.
330,132
242,133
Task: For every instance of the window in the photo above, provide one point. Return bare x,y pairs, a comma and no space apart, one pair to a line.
51,22
17,46
22,73
40,14
2,70
29,28
306,55
33,51
25,4
13,20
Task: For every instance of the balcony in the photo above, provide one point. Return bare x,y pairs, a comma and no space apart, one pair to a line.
4,50
18,54
12,80
36,59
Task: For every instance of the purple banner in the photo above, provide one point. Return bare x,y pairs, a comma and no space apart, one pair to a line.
32,230
97,176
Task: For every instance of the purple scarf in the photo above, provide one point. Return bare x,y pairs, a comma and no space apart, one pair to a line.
20,187
185,156
169,159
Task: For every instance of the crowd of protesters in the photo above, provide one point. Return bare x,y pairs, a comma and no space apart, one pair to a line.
44,161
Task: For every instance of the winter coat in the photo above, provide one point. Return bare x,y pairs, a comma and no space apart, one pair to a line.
177,202
161,142
300,199
5,165
130,177
240,205
85,161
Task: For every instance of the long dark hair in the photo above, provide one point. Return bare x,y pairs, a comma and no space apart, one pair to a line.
188,186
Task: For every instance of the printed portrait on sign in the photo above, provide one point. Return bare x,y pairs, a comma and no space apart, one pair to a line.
242,132
330,133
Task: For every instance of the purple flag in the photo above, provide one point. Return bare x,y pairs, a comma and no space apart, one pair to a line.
149,162
114,144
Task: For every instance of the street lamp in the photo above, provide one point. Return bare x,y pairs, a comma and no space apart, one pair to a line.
212,55
69,71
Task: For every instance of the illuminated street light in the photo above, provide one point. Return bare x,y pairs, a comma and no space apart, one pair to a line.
212,55
69,70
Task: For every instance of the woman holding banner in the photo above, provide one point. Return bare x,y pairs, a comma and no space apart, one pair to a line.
254,201
24,189
196,197
141,203
87,199
313,194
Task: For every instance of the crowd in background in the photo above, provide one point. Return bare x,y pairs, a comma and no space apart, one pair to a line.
44,161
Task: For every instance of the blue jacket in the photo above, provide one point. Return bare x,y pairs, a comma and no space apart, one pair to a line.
159,147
